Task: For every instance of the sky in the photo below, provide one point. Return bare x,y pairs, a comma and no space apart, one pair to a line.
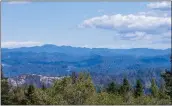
86,24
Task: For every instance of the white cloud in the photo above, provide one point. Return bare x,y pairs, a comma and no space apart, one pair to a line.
164,41
145,27
136,36
149,28
149,39
157,9
157,13
15,44
164,5
129,23
167,35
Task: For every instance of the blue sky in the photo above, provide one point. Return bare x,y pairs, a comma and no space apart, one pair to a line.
87,24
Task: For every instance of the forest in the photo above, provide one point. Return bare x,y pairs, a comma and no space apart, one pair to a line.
78,89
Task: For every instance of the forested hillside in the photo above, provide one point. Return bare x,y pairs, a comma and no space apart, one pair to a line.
78,89
103,64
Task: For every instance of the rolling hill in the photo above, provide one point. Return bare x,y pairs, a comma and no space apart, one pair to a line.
104,64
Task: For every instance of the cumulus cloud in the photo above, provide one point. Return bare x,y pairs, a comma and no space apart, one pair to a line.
164,5
167,35
15,44
136,36
140,26
129,23
156,9
152,26
157,13
164,41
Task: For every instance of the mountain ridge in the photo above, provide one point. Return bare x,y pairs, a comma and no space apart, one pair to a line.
103,63
53,45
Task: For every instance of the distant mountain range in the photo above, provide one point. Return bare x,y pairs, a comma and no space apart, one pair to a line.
104,64
78,51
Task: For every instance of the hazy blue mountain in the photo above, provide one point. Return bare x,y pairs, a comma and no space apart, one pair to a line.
48,48
103,64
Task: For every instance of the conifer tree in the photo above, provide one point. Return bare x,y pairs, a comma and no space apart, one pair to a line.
30,94
125,90
167,76
139,89
125,87
43,86
161,92
2,75
5,95
74,77
112,88
154,88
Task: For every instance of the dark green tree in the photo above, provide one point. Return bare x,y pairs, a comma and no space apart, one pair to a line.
74,77
139,89
125,88
30,95
154,88
161,92
5,95
167,76
2,75
112,88
43,86
5,88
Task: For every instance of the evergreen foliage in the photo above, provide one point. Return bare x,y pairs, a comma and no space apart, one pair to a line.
112,88
80,90
154,88
139,89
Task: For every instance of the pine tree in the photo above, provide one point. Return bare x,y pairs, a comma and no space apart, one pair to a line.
112,88
162,93
168,82
74,77
167,76
30,94
43,86
5,95
2,76
139,89
125,87
154,88
125,90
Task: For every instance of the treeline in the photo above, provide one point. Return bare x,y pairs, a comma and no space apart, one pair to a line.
79,89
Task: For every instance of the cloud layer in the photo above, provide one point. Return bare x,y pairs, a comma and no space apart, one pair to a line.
136,36
165,5
153,25
15,44
129,23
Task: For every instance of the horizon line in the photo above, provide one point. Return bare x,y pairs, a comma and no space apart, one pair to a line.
50,44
